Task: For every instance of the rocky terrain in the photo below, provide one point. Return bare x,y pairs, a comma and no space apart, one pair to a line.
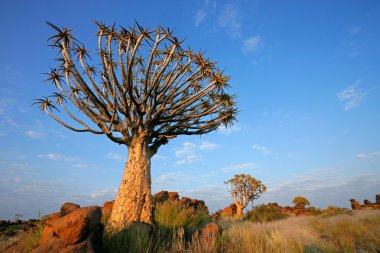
79,229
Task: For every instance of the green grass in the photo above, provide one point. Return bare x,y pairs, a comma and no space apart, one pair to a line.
173,214
265,213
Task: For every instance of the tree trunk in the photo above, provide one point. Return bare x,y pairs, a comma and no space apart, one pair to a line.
239,211
133,200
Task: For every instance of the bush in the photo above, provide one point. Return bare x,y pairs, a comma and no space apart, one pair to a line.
174,214
314,211
265,213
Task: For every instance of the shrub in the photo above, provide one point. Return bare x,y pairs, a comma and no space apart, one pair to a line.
173,214
314,211
265,213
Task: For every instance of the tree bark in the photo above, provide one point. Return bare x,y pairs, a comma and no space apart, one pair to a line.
239,211
133,200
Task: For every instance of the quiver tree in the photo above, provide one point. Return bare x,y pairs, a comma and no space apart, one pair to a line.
146,90
244,189
300,202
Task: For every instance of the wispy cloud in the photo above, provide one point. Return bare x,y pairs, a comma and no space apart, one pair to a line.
114,156
80,165
239,167
351,96
206,145
229,130
57,157
109,193
262,149
369,156
229,20
34,134
4,104
187,154
173,177
199,17
252,44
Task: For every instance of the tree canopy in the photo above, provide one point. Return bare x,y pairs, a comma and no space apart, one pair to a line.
300,201
147,85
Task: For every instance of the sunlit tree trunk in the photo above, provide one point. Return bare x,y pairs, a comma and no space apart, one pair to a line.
133,201
239,211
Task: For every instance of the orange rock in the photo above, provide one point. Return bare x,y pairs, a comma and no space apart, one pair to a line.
173,196
230,210
211,230
68,207
73,227
160,197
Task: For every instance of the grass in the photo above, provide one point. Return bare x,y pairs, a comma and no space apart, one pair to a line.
175,225
344,232
357,231
25,241
265,213
173,214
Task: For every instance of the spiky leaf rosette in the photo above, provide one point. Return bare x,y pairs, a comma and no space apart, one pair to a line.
147,85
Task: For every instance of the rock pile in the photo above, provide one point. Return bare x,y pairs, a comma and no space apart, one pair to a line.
73,229
163,196
355,205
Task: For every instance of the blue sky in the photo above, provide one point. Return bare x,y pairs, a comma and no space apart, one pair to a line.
307,74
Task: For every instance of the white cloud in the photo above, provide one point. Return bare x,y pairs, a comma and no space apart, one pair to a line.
264,150
230,20
34,134
351,96
369,156
239,167
110,193
206,145
251,44
187,149
199,17
57,157
80,165
173,177
114,156
229,130
187,154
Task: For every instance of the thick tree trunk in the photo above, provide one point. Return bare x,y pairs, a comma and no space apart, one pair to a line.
239,211
133,200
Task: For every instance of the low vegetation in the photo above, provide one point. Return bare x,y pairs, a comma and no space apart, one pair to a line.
357,232
265,213
346,231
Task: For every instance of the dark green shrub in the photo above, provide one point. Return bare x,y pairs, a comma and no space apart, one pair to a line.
265,213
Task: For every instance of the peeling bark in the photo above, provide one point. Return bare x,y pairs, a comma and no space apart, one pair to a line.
133,201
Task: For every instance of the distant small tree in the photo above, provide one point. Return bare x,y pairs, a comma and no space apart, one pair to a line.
300,201
244,189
